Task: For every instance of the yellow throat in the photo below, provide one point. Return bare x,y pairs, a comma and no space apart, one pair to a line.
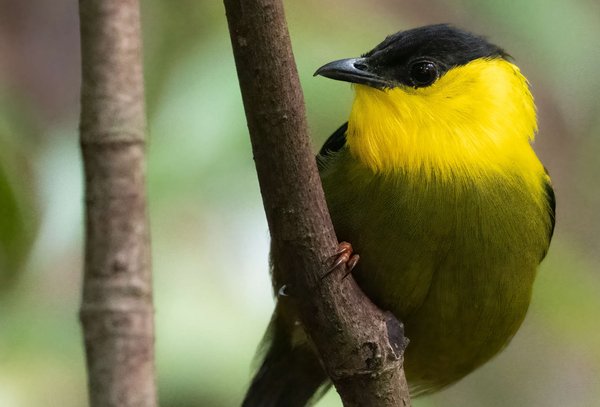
476,121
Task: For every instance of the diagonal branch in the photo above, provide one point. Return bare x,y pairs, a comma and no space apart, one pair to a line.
361,347
116,310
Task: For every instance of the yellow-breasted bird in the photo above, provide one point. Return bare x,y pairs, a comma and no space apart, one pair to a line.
434,182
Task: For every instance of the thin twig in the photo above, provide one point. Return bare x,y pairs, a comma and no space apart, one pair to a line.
116,310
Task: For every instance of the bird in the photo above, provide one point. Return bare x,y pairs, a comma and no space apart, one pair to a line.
434,183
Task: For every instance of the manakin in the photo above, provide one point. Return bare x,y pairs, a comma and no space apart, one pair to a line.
434,183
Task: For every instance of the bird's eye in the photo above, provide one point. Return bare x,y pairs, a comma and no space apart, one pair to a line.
423,73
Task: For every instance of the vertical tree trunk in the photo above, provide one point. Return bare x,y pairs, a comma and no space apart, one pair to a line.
361,347
116,311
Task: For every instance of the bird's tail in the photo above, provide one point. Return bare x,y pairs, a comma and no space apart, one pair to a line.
289,375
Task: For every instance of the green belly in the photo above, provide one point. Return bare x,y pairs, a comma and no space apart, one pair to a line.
455,262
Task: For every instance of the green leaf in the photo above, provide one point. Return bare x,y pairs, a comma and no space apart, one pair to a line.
17,216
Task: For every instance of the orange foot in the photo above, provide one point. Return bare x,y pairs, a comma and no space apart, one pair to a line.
344,255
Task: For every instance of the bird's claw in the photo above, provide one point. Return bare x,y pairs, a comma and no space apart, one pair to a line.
344,255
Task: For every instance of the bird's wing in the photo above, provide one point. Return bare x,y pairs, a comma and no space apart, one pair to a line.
551,199
334,143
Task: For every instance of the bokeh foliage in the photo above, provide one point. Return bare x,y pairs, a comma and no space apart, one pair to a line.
17,216
210,238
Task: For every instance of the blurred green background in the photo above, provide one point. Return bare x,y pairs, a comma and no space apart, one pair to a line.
210,239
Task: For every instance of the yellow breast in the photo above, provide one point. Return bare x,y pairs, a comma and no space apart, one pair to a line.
477,121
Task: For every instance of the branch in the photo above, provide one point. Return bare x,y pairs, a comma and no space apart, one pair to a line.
116,310
361,347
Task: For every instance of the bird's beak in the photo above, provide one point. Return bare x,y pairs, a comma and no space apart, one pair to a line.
353,70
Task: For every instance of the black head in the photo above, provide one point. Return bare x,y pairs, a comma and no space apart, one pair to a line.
415,58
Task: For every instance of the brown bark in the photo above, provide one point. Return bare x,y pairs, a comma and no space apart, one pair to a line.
116,310
361,347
